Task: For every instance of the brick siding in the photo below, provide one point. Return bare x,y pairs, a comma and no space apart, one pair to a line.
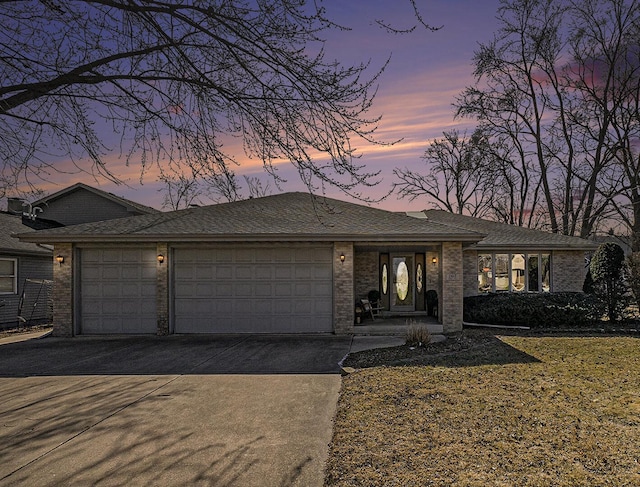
343,289
63,291
162,291
451,303
470,273
568,271
367,273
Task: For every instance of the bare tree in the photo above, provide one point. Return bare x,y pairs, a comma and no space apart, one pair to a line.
174,81
458,177
532,91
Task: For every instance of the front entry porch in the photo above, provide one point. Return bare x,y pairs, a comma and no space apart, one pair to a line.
420,281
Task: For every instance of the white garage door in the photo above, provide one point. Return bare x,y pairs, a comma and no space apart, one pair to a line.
118,291
261,289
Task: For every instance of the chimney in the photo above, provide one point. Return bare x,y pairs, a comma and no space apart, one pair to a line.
15,206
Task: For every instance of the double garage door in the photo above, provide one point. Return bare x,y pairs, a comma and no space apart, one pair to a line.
235,289
260,289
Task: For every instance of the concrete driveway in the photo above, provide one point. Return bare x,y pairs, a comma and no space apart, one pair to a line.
223,411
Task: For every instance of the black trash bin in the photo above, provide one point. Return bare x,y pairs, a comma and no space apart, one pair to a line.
431,297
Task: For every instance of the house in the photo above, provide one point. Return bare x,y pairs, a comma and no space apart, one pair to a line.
26,275
81,203
26,268
288,263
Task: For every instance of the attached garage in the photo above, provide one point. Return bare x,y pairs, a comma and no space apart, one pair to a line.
261,288
117,290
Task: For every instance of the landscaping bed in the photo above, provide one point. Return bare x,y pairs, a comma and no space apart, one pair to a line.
7,332
519,408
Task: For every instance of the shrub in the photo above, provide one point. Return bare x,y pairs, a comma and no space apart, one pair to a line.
417,335
606,270
535,310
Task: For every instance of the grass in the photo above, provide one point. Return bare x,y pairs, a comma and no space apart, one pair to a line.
515,411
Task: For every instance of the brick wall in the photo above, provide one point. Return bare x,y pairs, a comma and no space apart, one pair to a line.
432,273
366,273
567,271
450,306
63,291
343,288
470,273
162,291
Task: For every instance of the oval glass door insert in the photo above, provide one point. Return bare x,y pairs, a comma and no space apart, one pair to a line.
385,278
402,281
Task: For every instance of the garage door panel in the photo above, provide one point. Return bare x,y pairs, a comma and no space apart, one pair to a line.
223,290
263,272
242,290
282,307
302,289
183,271
203,272
244,272
283,290
322,290
263,306
148,290
282,255
255,290
244,255
91,271
321,273
224,272
111,256
263,289
117,291
203,289
110,272
283,272
223,256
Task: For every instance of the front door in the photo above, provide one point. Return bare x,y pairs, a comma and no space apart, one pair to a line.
402,282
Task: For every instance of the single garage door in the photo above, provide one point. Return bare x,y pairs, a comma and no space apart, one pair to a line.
253,289
117,291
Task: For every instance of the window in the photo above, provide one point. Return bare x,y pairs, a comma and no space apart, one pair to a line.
515,272
8,276
501,281
518,282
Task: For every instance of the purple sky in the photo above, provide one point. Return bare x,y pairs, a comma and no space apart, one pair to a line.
426,72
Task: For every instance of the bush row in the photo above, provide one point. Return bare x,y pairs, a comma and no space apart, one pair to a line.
535,310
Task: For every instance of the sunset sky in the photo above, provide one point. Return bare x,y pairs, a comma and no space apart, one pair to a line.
426,72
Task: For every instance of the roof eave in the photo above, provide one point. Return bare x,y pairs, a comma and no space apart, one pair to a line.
525,247
124,238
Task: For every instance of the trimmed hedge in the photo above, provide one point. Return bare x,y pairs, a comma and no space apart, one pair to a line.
535,310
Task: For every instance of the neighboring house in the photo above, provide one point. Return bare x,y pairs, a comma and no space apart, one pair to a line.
26,267
288,263
81,203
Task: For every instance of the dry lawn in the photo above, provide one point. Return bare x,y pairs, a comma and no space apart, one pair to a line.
515,411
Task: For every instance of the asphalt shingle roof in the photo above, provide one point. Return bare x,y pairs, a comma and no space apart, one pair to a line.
287,216
132,205
12,225
502,235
